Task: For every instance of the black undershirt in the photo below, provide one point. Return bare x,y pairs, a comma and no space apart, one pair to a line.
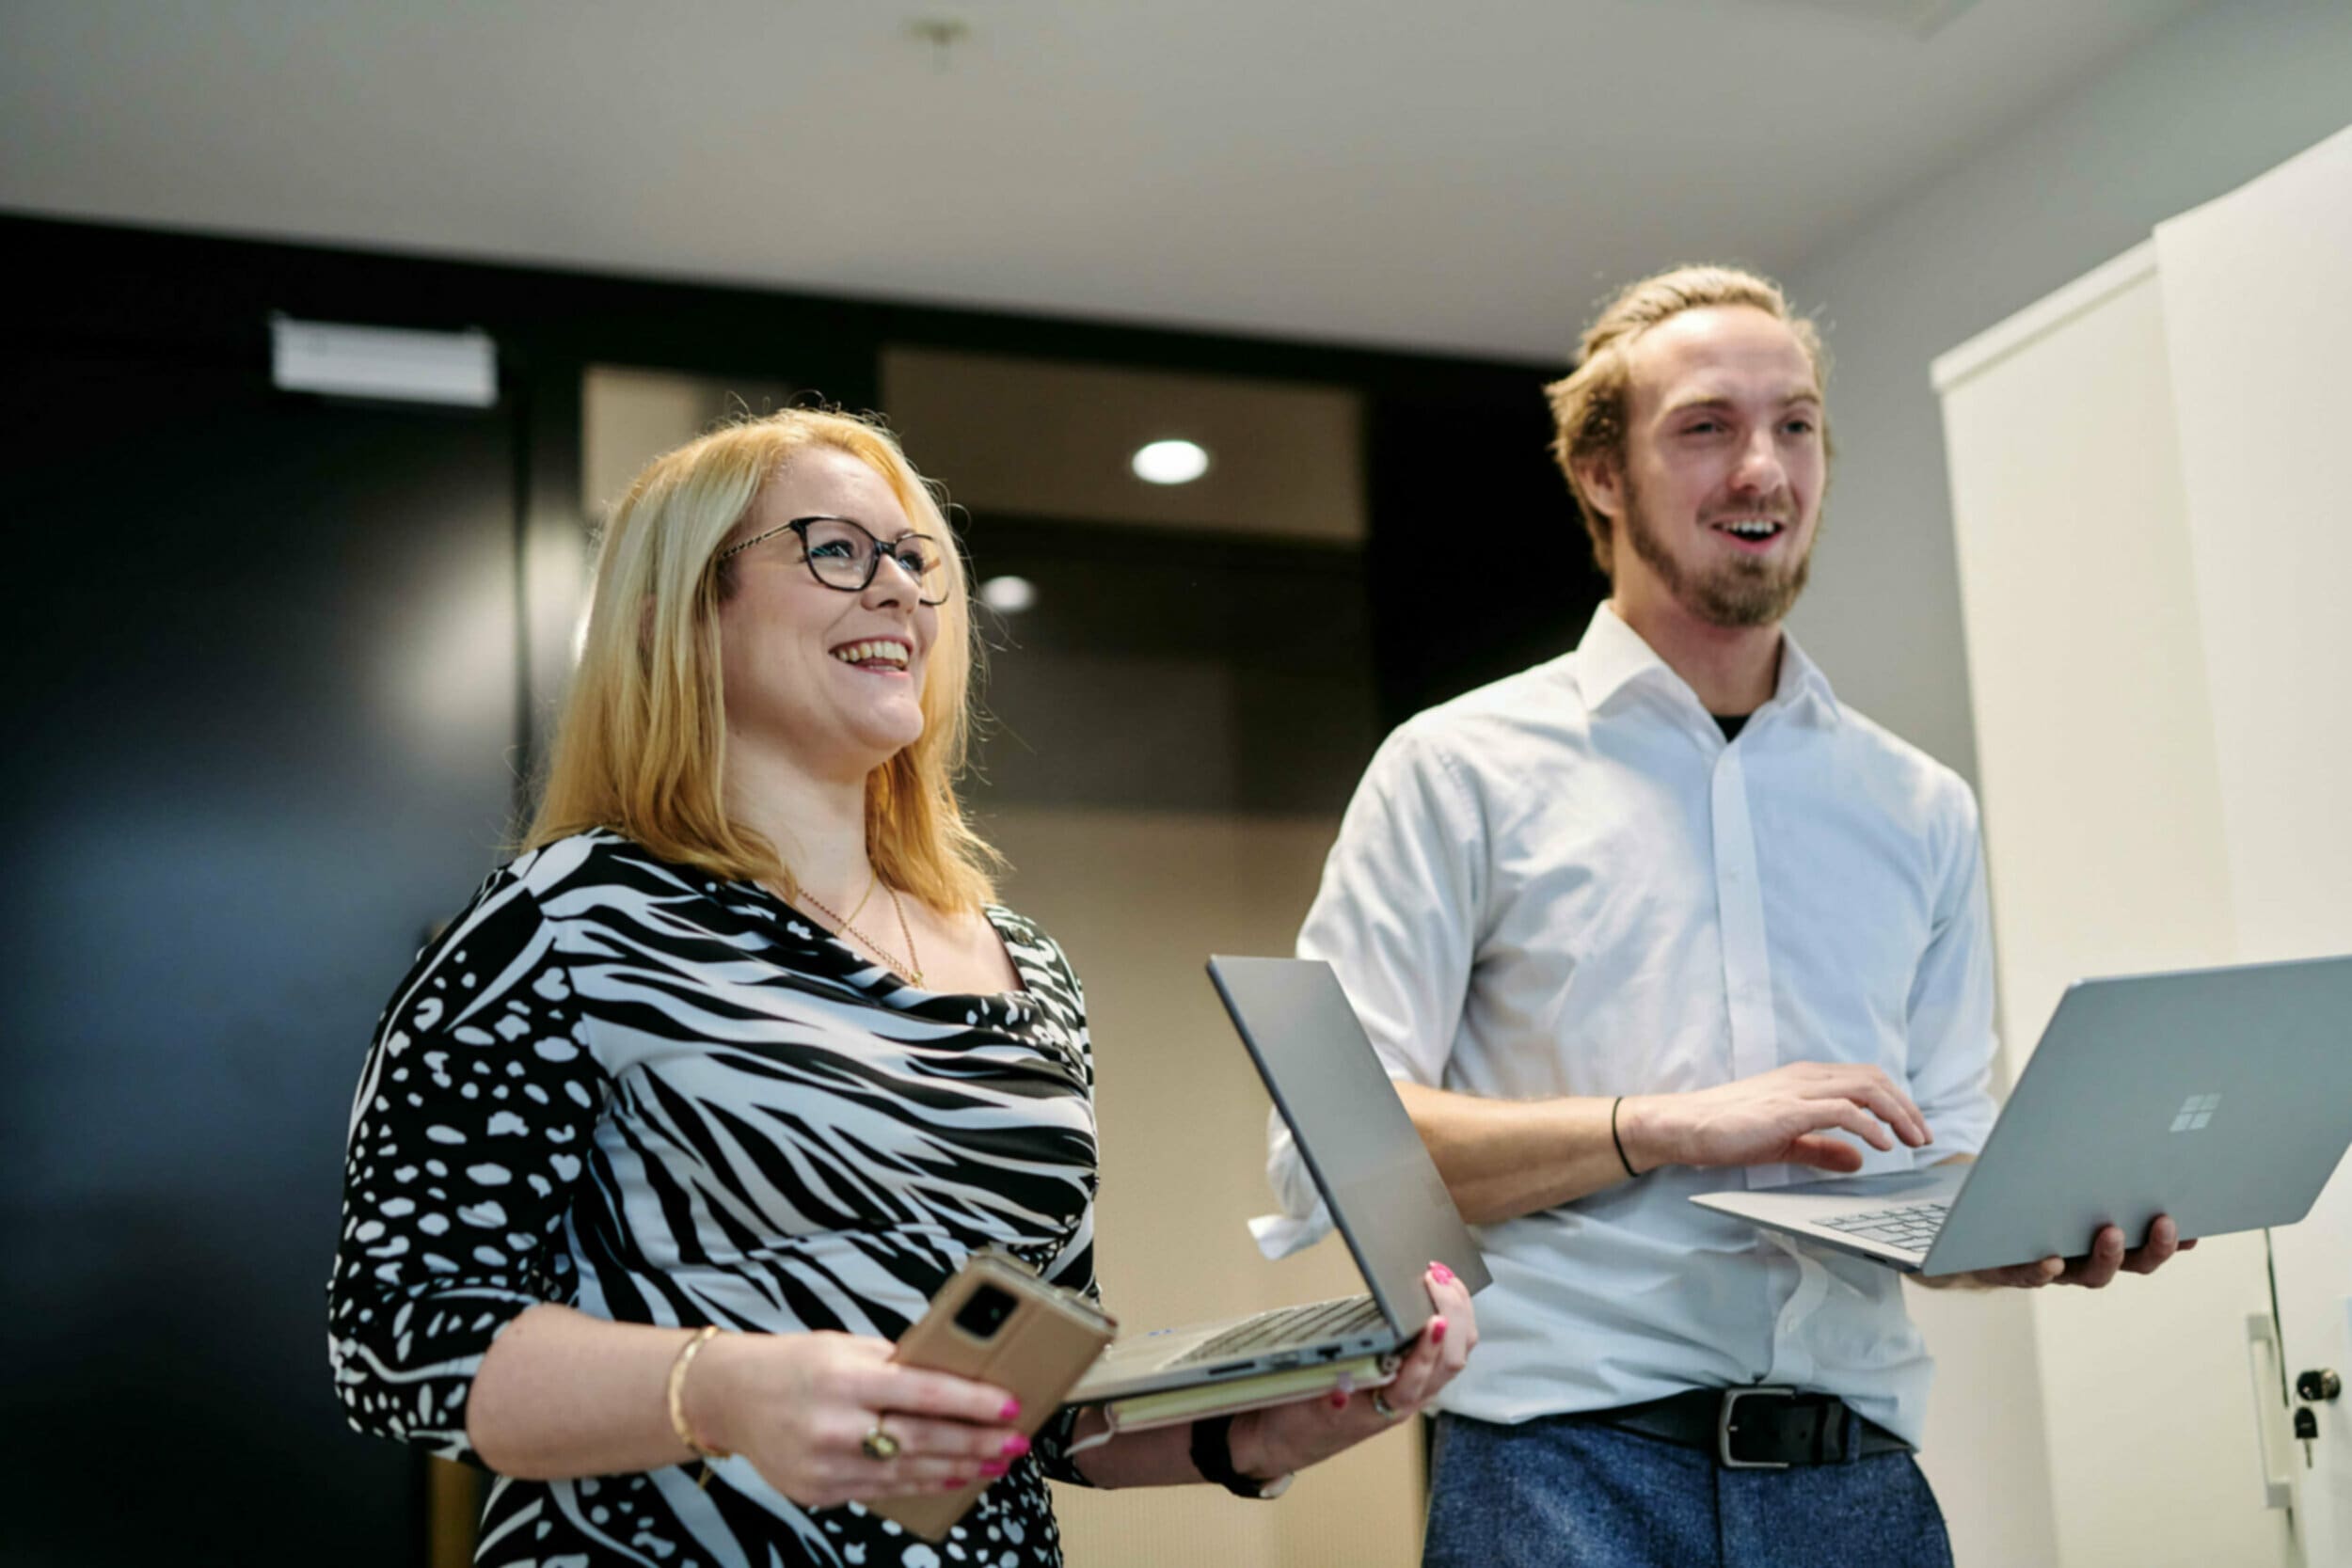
1730,723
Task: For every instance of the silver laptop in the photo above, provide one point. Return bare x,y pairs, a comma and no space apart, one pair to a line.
2220,1097
1371,1167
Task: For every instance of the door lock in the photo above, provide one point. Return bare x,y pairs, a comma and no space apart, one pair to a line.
2318,1386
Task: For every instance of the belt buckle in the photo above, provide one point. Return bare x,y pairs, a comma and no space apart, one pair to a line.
1722,1426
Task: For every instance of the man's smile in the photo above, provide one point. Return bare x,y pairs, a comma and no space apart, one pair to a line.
1750,533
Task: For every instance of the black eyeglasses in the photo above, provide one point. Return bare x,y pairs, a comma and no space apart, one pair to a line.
845,555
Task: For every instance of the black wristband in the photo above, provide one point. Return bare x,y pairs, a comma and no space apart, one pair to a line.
1213,1456
1619,1141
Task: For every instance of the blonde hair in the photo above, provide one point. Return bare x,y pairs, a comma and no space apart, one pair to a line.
1588,405
641,747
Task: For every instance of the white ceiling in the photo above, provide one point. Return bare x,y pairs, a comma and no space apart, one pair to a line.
1470,175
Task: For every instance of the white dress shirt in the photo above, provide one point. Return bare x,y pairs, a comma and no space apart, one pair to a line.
1567,883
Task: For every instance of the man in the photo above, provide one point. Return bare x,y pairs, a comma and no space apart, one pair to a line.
1662,917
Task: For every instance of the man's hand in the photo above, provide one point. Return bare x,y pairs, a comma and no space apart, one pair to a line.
1780,1116
2094,1268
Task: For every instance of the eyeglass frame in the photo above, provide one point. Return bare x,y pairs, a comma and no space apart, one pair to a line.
873,557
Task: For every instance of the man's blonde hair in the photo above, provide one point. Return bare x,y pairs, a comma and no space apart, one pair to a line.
1588,405
641,747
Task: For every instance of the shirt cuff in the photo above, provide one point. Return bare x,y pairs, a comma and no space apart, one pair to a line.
1280,1235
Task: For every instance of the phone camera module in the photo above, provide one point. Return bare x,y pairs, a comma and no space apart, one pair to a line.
984,1312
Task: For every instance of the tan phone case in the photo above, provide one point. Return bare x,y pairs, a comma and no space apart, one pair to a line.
997,1322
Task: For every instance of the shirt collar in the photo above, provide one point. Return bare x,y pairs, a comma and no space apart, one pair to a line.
1612,657
1802,687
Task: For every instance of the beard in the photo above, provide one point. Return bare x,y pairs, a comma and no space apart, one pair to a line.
1736,592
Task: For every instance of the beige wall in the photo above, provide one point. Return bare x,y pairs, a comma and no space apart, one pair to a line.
1140,901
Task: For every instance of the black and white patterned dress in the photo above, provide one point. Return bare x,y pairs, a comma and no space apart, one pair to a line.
663,1099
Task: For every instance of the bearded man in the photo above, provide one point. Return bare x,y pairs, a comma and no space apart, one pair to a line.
1662,917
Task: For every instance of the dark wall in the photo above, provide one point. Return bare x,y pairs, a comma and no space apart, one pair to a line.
1177,672
275,675
261,709
1477,563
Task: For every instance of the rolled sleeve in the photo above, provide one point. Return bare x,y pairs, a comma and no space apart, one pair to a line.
1396,918
1949,1018
468,1132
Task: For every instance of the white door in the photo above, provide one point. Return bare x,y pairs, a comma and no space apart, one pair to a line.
2147,476
2102,825
2315,1332
2258,317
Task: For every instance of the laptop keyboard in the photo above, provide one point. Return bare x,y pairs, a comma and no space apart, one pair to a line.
1910,1226
1285,1326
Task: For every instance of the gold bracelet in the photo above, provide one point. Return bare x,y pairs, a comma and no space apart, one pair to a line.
678,1401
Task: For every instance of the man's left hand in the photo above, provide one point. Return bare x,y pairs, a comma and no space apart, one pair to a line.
2107,1257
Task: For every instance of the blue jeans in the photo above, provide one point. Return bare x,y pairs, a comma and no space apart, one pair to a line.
1559,1492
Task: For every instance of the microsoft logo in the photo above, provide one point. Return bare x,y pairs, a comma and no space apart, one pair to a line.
2196,1111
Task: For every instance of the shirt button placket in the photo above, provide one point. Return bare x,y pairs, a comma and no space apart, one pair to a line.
1739,907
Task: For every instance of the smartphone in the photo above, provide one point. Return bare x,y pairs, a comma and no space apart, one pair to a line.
997,1322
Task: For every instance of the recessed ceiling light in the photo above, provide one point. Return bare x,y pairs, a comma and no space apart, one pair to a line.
1009,596
1170,462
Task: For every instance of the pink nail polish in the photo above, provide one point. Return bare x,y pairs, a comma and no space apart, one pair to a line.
1445,1275
992,1467
1014,1447
1437,1331
1011,1412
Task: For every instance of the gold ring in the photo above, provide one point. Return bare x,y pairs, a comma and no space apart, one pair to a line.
878,1445
1381,1407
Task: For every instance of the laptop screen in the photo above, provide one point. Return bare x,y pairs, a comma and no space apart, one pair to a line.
1358,1144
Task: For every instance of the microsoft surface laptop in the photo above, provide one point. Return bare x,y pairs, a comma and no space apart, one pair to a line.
1370,1165
2220,1097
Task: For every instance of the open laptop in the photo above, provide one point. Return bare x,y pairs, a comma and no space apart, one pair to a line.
2220,1097
1371,1170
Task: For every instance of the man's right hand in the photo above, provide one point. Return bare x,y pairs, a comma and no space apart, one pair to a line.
1780,1116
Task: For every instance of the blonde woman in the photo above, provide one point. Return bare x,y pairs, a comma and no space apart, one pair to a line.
682,1120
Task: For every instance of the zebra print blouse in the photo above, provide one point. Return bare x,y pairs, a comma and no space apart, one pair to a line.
662,1099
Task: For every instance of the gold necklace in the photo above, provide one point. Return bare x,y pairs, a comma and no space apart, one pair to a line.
910,971
872,877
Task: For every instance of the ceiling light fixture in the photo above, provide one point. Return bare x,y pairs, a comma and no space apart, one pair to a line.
387,364
1009,596
1170,462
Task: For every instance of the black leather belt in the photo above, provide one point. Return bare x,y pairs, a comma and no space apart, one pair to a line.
1761,1428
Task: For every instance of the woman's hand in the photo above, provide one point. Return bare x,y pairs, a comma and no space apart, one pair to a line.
1285,1438
798,1407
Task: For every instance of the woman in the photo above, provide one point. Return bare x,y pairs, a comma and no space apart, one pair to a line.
650,1086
